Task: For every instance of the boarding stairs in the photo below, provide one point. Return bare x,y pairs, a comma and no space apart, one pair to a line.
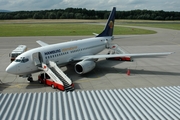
116,49
57,75
63,77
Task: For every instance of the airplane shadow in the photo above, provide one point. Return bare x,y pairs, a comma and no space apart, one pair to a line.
102,68
35,84
4,86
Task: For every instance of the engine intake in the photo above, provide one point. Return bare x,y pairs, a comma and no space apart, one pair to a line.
84,66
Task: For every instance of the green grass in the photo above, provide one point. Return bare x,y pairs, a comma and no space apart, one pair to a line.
175,25
131,31
167,26
61,29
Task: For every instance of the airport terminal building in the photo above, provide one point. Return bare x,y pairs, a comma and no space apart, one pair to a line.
157,103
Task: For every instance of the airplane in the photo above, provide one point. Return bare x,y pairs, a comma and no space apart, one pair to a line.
84,53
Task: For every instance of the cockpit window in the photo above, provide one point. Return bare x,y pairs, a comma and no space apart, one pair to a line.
17,60
22,60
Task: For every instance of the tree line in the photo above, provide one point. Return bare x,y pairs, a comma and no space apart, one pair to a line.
83,13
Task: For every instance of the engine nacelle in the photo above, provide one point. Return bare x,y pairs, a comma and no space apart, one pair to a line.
84,66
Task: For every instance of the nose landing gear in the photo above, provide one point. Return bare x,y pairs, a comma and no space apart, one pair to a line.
30,78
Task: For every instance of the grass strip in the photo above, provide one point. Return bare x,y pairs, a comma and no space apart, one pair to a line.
61,29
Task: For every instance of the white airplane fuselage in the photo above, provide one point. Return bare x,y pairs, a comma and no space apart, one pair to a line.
61,54
81,51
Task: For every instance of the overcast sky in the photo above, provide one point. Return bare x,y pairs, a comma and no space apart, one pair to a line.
16,5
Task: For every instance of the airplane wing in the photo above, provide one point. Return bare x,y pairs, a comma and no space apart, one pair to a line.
138,55
41,43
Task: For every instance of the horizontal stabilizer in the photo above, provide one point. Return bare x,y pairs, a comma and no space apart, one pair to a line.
41,43
95,34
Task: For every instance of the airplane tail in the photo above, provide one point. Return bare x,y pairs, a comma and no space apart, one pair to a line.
108,30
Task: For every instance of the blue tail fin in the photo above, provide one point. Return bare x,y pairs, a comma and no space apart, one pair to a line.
108,30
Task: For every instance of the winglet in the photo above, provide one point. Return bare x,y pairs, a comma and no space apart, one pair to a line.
108,30
41,43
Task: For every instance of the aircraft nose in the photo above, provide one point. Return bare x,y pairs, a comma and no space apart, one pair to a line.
11,69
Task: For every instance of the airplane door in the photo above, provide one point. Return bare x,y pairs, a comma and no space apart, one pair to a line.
40,57
37,58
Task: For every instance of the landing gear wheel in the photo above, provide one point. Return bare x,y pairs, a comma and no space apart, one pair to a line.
30,79
40,82
52,86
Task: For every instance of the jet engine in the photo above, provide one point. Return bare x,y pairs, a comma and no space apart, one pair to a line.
84,66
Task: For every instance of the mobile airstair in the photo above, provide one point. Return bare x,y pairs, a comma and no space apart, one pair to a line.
57,75
116,49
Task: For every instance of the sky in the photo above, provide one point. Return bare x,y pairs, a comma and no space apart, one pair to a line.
122,5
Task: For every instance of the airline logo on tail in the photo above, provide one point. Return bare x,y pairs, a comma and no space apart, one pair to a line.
111,24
